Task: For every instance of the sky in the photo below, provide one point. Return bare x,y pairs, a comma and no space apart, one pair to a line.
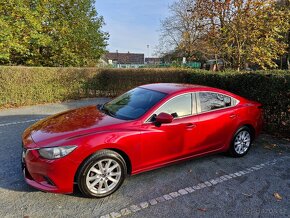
133,24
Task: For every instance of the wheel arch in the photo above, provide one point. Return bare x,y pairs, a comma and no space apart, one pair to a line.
125,157
251,127
241,127
120,152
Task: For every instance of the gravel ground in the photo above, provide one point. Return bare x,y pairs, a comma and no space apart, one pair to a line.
257,185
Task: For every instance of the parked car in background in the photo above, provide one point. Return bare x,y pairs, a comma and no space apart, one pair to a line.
148,127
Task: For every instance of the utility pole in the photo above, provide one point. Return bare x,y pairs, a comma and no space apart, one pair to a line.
148,51
117,58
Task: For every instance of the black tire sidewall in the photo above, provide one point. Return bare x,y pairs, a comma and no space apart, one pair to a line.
93,159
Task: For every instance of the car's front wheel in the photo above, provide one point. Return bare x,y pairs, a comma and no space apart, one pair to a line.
241,142
102,174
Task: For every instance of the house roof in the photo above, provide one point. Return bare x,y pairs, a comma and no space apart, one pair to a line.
126,58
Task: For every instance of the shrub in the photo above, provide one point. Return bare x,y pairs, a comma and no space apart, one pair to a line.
27,86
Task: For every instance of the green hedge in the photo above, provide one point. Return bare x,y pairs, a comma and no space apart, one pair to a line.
27,86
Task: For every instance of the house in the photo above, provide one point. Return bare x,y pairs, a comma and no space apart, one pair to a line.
125,60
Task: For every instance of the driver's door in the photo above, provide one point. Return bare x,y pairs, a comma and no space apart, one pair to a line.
160,145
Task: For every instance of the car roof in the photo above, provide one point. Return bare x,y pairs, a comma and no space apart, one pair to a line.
170,88
177,88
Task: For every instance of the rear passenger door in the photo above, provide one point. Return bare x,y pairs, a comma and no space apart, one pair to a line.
216,121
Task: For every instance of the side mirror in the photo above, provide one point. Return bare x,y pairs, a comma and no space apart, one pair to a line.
163,118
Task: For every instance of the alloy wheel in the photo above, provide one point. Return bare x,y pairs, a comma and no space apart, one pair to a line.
103,176
242,142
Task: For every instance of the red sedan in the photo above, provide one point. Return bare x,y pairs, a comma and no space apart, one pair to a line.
148,127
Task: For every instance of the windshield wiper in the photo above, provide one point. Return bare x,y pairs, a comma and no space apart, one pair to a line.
102,107
99,106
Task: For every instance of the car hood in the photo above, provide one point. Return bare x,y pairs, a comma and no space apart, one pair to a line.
69,124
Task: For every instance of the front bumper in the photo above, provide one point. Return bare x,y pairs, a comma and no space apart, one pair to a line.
48,175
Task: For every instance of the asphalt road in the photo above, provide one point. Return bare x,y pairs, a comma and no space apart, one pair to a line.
257,185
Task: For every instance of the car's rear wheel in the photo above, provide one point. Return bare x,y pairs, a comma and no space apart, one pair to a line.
241,142
102,174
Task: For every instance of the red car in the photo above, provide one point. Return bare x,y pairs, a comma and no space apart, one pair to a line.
148,127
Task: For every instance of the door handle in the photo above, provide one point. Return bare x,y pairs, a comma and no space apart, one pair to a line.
190,125
233,116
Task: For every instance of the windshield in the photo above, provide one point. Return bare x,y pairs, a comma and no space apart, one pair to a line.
132,104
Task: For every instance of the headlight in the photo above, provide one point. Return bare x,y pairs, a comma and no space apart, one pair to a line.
56,152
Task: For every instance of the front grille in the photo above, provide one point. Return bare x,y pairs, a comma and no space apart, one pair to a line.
27,174
22,144
24,152
48,180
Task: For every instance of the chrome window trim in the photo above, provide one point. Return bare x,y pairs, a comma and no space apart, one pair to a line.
194,103
191,93
199,107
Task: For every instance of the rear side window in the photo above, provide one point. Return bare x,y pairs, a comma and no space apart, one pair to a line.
212,101
179,106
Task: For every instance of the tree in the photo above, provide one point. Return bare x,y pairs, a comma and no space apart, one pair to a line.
180,32
192,29
238,31
51,33
285,5
254,34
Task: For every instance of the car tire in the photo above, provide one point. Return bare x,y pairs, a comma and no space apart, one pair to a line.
241,142
101,174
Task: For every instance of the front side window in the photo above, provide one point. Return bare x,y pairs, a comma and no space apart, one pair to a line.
179,106
212,101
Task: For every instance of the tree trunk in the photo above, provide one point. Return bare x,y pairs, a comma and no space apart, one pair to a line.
288,55
216,63
239,60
